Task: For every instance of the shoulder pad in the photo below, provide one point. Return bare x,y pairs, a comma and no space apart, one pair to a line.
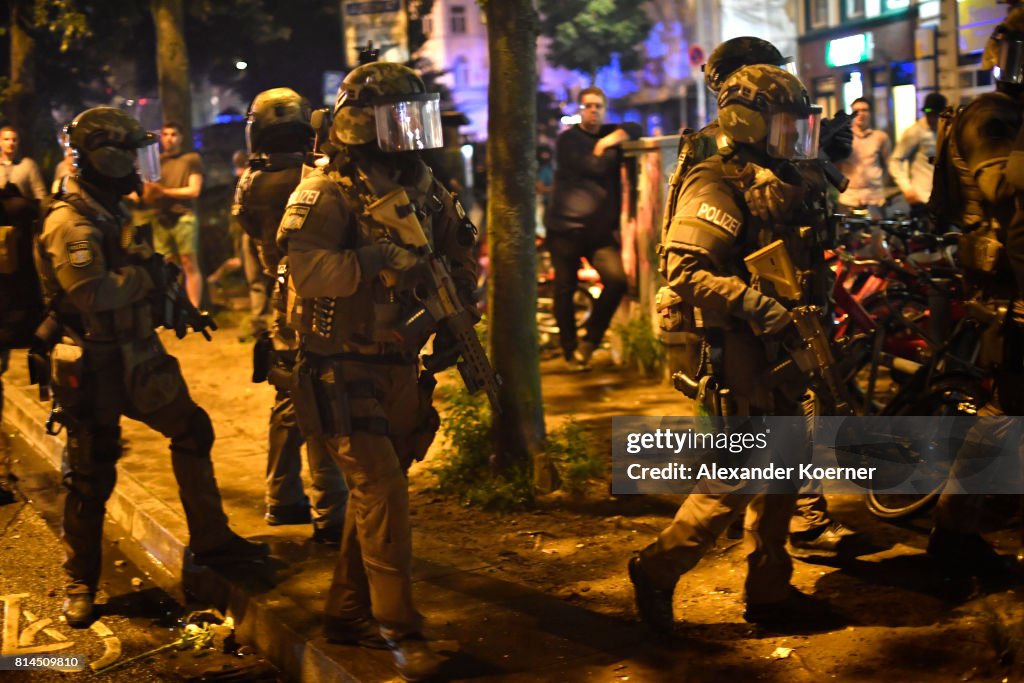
313,189
242,190
708,218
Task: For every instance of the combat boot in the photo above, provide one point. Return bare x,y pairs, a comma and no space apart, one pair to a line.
414,659
798,612
963,554
361,631
653,604
80,609
236,550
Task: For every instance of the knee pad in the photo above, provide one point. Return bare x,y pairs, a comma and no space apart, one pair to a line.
86,447
92,490
107,444
198,437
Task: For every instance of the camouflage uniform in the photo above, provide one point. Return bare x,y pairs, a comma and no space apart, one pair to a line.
682,344
357,382
20,299
975,191
346,328
260,199
712,229
111,363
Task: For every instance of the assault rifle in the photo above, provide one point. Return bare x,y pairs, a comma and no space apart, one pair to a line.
433,287
812,356
178,312
171,306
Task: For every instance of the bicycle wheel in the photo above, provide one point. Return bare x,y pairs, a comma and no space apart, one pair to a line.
583,305
951,396
894,309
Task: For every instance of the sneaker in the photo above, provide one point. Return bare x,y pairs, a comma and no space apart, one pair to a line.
414,659
281,515
361,631
798,611
832,538
967,554
653,604
328,535
80,609
236,550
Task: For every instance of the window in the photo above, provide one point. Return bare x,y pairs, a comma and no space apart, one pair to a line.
853,9
458,20
818,13
428,25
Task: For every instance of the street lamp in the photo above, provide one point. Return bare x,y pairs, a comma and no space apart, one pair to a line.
241,65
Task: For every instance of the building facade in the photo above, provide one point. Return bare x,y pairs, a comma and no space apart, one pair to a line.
894,52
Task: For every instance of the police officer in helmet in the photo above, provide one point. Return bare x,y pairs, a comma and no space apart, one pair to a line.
766,123
100,280
279,137
357,378
811,529
974,191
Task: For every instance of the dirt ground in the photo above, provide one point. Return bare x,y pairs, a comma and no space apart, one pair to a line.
906,622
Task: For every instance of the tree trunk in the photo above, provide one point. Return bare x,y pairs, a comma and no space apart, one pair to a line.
172,65
512,27
21,92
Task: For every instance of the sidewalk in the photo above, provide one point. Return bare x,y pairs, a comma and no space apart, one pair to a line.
499,625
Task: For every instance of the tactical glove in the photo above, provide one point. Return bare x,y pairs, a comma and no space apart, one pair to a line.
765,314
445,354
373,258
838,137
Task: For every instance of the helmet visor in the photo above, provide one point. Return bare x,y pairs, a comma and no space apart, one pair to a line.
408,122
148,158
794,136
789,64
1010,68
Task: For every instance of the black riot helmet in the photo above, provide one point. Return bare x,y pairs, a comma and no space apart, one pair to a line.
1004,52
278,121
106,143
736,53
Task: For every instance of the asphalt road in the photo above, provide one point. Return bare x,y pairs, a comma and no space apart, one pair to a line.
136,615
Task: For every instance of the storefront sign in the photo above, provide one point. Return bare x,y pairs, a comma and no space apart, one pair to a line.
849,50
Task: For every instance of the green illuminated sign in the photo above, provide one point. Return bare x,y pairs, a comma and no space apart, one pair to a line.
849,50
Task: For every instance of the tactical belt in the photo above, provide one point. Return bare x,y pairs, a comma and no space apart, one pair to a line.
372,359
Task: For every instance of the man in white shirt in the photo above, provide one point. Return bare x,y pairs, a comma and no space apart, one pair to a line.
866,165
22,172
912,160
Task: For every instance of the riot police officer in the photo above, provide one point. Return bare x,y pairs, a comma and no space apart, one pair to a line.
20,298
99,281
811,529
355,310
975,191
763,110
279,137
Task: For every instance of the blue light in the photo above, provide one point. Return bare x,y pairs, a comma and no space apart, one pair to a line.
229,118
